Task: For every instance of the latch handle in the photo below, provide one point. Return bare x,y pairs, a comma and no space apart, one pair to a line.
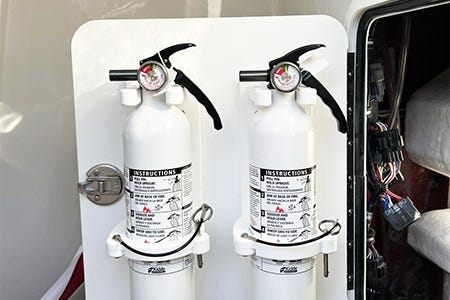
104,184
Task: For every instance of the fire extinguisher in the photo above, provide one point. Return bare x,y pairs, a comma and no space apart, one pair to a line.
282,237
162,231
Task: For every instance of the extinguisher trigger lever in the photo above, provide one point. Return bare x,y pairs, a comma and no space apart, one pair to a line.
183,80
310,81
294,55
161,57
166,53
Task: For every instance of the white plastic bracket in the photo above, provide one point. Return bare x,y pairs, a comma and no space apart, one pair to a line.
174,95
199,245
246,247
131,94
306,96
260,95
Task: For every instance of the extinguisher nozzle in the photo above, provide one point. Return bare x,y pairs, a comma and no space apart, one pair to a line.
258,75
123,75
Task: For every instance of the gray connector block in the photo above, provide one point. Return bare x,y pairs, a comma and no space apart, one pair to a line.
402,214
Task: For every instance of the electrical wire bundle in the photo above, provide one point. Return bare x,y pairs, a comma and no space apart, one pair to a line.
384,149
376,269
372,252
384,163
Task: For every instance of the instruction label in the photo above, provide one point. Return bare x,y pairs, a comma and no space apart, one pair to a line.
161,267
159,204
282,204
285,267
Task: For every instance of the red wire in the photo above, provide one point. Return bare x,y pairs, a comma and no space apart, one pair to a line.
395,196
377,171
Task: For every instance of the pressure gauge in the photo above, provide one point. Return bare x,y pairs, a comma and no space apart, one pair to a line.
285,77
152,76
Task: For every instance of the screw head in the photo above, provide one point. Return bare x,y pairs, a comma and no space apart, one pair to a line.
97,197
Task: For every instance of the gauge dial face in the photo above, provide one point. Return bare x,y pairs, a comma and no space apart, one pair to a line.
285,77
152,76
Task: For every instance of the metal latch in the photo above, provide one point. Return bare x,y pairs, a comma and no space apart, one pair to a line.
104,184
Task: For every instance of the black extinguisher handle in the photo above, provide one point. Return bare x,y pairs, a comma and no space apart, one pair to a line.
184,81
309,80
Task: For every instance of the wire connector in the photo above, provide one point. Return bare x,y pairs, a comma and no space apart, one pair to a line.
386,146
376,275
376,82
402,214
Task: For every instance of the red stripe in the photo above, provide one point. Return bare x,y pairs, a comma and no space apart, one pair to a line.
75,281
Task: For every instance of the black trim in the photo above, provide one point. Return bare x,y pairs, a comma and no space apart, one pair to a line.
358,121
350,170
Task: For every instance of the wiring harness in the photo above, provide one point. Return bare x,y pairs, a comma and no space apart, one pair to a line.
376,269
384,161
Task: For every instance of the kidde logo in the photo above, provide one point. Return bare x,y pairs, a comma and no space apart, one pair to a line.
156,270
288,270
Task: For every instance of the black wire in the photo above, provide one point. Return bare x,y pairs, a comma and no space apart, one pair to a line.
371,165
324,234
376,187
197,230
375,196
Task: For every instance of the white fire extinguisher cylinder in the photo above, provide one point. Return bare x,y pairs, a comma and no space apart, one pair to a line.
282,172
282,195
172,280
158,172
158,178
282,177
159,205
287,280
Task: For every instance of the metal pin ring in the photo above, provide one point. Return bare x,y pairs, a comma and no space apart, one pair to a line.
206,213
335,223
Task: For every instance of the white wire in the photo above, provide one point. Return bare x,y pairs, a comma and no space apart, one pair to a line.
57,289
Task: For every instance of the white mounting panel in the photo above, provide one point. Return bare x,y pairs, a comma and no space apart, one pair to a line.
224,46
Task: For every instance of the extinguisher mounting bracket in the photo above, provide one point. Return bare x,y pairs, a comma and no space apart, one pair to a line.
246,245
200,245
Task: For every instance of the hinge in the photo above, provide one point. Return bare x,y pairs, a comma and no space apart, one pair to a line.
104,184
